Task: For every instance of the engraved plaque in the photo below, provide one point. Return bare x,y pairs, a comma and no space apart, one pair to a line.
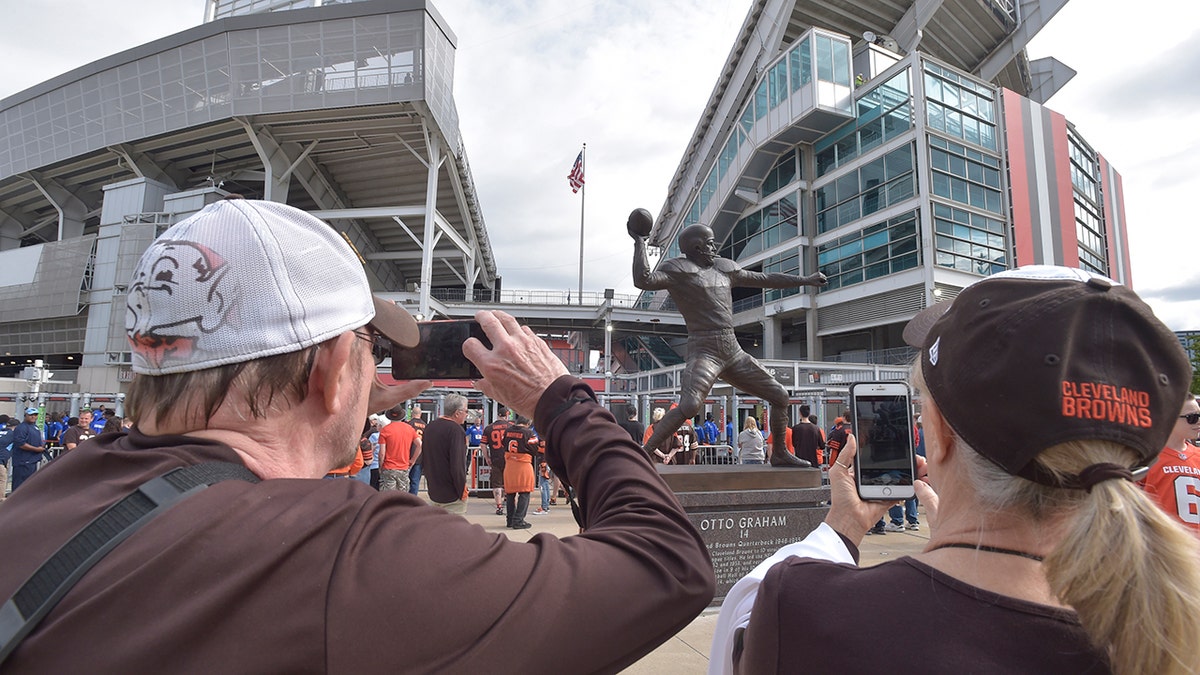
742,527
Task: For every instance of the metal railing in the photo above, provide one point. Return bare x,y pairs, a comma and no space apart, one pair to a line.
895,356
533,297
716,454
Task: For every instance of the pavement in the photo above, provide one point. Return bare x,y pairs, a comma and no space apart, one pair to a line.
687,652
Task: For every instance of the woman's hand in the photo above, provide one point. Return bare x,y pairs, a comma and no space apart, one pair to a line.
849,515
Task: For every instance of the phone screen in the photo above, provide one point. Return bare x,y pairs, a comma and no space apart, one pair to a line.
439,354
883,426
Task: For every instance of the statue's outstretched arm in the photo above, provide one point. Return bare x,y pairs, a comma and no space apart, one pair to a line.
743,277
643,278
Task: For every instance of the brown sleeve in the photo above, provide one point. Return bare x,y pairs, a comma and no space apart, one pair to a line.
632,580
458,464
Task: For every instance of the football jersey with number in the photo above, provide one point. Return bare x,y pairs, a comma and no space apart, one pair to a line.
1174,483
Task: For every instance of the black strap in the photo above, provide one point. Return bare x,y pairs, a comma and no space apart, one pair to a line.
989,549
42,591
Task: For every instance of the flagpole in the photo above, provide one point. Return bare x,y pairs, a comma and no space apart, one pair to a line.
582,198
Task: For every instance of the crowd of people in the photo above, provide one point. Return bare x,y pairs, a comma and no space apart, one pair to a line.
28,446
258,495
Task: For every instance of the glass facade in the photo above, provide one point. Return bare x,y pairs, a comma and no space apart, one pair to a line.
969,242
784,263
872,252
760,230
800,64
817,58
226,8
327,64
884,113
965,175
959,106
1089,225
784,173
875,185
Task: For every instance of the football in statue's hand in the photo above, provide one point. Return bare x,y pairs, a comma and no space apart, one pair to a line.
640,223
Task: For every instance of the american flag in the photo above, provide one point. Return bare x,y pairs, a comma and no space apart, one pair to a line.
576,175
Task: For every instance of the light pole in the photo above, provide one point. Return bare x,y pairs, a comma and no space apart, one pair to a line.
607,355
608,330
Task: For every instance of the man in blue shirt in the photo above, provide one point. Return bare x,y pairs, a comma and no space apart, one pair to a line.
474,431
28,448
711,434
98,420
54,428
5,453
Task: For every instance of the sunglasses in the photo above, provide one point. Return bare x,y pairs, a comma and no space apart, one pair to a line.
1191,418
381,347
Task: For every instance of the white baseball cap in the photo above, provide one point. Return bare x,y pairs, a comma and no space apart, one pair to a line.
244,279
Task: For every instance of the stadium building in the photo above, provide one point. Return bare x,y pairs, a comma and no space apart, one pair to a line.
345,110
902,148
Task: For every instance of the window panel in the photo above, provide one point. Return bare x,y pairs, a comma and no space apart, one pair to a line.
848,211
841,63
898,161
958,190
870,135
872,172
805,51
933,87
935,116
747,120
794,65
901,189
824,58
826,161
847,186
897,121
941,185
875,240
847,149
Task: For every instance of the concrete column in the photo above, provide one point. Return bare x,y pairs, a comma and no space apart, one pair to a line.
99,371
772,338
431,188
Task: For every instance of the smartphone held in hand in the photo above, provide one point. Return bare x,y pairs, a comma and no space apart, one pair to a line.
883,425
439,354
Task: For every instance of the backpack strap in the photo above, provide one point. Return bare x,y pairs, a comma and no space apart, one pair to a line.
21,613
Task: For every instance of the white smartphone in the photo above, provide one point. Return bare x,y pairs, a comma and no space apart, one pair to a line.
883,425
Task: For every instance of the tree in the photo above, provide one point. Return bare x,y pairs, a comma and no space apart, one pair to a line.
1194,351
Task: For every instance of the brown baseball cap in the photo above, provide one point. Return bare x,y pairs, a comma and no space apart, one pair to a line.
1029,358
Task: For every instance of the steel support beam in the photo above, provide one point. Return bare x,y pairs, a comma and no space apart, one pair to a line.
71,209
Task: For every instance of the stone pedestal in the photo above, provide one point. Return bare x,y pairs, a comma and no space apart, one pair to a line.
747,512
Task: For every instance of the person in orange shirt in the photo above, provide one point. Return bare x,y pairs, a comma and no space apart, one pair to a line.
399,446
655,416
520,445
1174,478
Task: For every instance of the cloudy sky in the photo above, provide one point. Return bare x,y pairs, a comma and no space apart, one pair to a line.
536,79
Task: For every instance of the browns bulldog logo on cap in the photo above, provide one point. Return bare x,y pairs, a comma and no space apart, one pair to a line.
175,298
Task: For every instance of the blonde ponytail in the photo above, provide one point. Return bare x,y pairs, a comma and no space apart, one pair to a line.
1131,574
1128,570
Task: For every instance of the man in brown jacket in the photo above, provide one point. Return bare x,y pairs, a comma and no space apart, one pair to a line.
247,356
